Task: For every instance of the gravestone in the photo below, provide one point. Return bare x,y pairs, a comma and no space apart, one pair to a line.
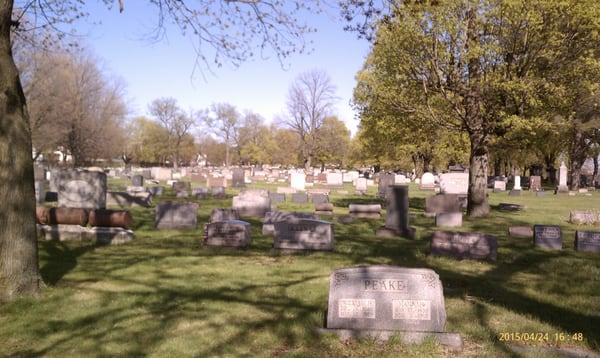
176,216
297,180
272,217
499,185
216,182
318,198
514,192
238,178
217,191
276,197
159,173
137,180
584,217
200,193
517,184
448,219
231,233
510,207
81,189
400,179
361,185
303,234
520,231
40,191
300,198
454,183
181,186
442,203
252,203
223,214
547,237
385,180
427,181
464,245
335,179
396,221
588,241
562,179
324,209
535,183
322,177
384,301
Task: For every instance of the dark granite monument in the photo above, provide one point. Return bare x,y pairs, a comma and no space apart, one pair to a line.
547,236
396,221
464,245
588,241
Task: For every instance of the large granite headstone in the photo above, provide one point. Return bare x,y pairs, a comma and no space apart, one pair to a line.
81,189
562,179
454,183
464,245
223,214
382,301
303,234
535,183
137,180
252,203
547,236
385,180
361,185
232,233
396,221
272,217
427,181
442,203
238,178
318,198
588,241
297,180
176,216
335,179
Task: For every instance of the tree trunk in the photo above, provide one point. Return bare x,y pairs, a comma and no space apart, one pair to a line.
19,273
595,175
497,167
226,155
577,156
307,162
477,205
550,170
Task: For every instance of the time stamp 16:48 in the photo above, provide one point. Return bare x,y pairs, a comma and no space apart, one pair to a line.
556,337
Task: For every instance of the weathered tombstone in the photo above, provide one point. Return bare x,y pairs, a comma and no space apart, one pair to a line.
277,197
300,198
517,185
335,179
303,234
238,179
385,180
40,191
520,231
510,207
181,186
384,301
535,183
252,203
366,211
464,245
454,183
547,236
396,221
217,191
318,198
200,193
514,192
223,214
231,233
216,182
442,203
448,219
586,217
297,180
427,181
272,217
361,185
322,177
499,186
324,209
162,173
588,241
137,180
81,189
400,179
176,216
562,179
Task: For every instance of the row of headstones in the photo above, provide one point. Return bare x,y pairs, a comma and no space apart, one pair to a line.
291,231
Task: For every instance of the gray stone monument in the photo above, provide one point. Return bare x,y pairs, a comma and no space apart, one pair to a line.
223,214
176,216
137,180
385,180
232,233
80,189
562,179
385,301
396,221
464,245
272,217
547,237
238,178
442,203
252,203
303,234
588,241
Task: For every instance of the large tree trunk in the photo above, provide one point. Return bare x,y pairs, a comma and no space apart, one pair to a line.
477,205
19,273
577,156
595,175
497,167
550,170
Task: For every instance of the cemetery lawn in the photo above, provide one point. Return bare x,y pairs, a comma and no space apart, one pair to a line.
164,294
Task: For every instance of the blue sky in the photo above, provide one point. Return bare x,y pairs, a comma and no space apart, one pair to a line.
165,69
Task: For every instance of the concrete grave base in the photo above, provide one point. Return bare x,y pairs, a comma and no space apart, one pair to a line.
520,231
110,235
61,232
387,232
451,340
102,235
359,215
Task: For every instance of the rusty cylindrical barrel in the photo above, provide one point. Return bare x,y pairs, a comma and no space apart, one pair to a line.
110,218
61,216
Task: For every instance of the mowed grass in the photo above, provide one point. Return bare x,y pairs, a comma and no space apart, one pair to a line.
164,294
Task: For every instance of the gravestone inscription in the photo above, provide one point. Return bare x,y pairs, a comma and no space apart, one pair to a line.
588,241
464,245
232,233
547,236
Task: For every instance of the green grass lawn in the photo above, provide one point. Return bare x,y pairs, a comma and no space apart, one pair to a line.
164,294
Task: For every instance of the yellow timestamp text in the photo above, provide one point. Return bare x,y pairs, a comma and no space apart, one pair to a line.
540,337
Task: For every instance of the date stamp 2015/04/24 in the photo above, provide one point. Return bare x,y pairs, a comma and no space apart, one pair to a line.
532,337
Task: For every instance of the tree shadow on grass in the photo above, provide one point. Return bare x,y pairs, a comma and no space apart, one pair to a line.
60,258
